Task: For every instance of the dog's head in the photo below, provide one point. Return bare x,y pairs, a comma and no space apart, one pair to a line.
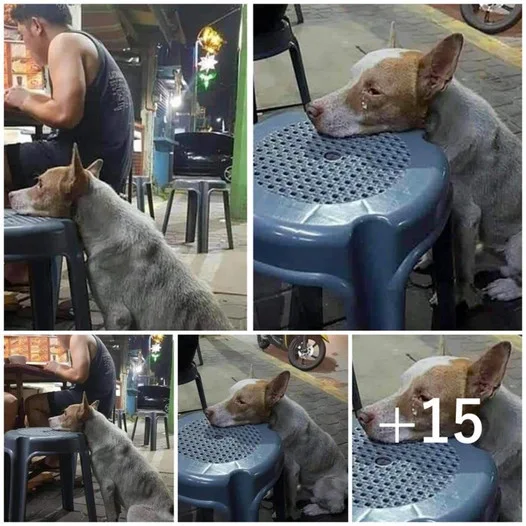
56,190
74,416
389,90
250,402
444,377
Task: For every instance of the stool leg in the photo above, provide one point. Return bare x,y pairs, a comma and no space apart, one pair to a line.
68,465
168,211
19,491
147,426
113,415
78,279
228,219
166,432
42,294
279,498
124,422
299,14
199,355
88,485
153,432
306,308
201,391
134,427
191,216
119,421
204,218
444,279
255,105
8,484
140,194
299,71
149,195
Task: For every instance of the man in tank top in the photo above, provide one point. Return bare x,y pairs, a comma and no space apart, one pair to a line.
90,102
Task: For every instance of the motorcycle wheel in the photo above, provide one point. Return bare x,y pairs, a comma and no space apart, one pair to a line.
471,13
306,364
263,342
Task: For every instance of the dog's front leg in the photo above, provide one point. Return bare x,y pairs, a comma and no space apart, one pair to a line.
466,220
118,318
107,489
292,472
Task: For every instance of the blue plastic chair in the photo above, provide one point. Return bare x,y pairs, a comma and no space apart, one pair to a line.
39,241
421,482
229,469
352,215
21,445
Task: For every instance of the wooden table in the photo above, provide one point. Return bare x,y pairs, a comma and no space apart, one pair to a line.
15,118
18,374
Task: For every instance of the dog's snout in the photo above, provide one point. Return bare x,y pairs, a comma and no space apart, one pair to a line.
209,413
365,418
313,111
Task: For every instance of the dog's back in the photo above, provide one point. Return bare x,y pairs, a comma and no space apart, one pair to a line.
114,457
130,257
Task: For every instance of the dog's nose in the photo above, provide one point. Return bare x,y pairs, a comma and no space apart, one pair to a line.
209,413
364,417
313,111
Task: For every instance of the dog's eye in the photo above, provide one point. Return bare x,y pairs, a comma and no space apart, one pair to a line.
423,397
241,402
371,90
39,184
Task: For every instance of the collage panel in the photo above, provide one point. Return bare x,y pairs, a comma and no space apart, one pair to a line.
374,204
88,428
125,155
262,428
437,428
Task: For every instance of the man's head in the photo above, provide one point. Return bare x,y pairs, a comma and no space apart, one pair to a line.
250,402
37,23
57,189
444,377
74,416
389,90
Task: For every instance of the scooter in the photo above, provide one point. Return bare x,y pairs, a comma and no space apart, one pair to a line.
305,352
491,18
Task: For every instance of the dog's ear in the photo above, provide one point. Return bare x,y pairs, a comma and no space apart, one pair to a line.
392,36
442,348
486,374
83,411
95,167
76,182
436,69
251,372
276,388
95,405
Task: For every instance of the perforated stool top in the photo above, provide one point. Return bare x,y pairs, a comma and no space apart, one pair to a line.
44,439
413,480
211,459
328,209
16,224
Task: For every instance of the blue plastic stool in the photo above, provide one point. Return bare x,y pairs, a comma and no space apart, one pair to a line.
39,240
414,481
351,215
229,469
21,445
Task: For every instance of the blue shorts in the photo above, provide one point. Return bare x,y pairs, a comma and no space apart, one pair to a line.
59,400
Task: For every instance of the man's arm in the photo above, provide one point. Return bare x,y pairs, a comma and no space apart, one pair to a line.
65,108
80,362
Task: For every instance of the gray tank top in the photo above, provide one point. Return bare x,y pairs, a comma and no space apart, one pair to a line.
106,128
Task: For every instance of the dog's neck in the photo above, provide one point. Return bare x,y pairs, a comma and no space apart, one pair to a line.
287,419
501,424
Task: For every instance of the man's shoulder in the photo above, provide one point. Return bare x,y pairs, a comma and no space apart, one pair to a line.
71,41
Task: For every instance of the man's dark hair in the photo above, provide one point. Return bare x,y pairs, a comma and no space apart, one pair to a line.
53,13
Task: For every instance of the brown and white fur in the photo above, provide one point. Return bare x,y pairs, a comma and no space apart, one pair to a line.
313,461
398,89
125,478
449,378
136,278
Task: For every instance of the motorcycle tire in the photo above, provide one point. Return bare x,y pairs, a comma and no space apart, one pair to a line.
263,342
311,364
469,14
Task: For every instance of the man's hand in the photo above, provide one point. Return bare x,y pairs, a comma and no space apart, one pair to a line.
15,97
51,366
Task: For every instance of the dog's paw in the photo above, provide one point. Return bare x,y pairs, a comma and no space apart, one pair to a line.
469,295
312,510
269,494
424,262
504,289
433,300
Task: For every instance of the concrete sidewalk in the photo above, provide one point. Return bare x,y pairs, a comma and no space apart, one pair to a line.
230,359
379,361
44,504
332,38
